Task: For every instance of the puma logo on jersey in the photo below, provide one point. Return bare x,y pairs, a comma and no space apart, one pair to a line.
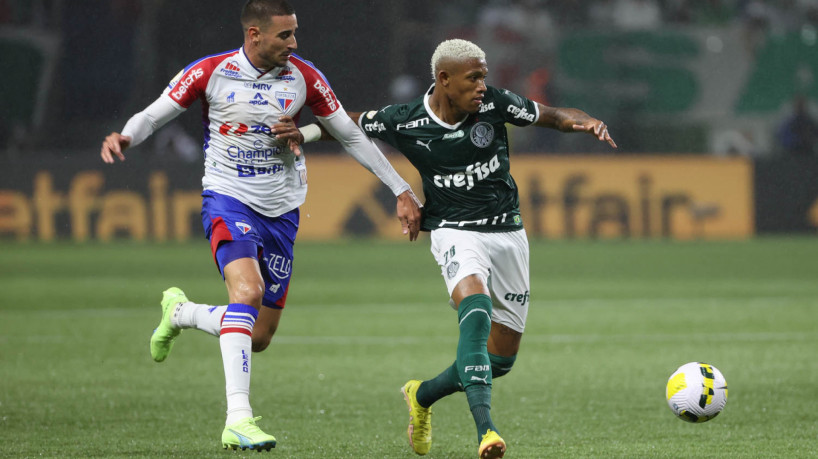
418,142
484,379
467,178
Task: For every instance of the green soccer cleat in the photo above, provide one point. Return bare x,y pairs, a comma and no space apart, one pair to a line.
492,446
420,419
165,333
246,434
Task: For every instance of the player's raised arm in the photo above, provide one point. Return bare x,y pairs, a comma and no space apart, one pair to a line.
573,120
139,128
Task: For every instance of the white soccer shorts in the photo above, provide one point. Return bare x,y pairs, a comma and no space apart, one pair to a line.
501,259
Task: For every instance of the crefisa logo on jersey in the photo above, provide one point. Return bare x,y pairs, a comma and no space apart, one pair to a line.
482,134
285,99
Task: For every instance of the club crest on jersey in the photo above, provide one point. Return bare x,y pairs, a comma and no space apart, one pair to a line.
482,134
244,227
285,99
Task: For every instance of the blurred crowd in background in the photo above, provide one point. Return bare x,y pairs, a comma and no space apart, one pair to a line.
721,77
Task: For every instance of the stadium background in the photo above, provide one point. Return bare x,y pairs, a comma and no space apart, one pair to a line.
706,85
695,240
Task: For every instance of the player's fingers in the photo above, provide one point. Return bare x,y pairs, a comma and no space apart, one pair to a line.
296,149
105,154
581,127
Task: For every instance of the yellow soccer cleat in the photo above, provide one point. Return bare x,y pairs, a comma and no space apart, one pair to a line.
492,446
165,333
420,419
246,434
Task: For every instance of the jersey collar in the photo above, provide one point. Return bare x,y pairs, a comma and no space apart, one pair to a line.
434,117
259,73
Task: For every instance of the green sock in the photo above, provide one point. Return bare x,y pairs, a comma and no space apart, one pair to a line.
446,383
479,397
473,364
501,365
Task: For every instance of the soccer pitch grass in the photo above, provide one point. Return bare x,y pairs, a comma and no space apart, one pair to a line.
609,322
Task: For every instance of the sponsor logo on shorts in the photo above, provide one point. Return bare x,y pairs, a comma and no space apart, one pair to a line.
521,298
279,266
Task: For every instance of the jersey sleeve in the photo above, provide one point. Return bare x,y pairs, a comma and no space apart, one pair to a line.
320,97
515,109
189,84
379,124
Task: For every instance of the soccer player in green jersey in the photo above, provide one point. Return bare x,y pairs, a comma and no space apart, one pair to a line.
455,136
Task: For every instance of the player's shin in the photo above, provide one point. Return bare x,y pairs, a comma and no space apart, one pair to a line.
204,317
236,343
446,383
473,364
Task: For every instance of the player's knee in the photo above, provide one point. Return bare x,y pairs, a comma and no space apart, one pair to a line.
474,315
501,365
247,293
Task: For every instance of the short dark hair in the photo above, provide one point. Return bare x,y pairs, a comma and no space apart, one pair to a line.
257,12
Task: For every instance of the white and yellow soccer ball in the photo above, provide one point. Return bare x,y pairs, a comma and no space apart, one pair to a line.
696,392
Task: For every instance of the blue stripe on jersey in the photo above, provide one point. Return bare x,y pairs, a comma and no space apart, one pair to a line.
312,66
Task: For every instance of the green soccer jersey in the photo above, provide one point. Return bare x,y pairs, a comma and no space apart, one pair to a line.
465,166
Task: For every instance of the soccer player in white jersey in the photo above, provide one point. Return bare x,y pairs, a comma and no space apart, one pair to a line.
253,186
455,136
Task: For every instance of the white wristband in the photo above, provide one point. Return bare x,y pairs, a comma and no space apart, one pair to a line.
311,132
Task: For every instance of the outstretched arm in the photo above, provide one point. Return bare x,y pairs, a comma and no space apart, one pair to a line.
139,127
341,127
573,120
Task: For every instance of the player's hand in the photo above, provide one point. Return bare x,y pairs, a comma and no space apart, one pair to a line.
114,145
597,128
286,129
409,213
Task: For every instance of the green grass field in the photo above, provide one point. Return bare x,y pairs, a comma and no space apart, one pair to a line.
609,323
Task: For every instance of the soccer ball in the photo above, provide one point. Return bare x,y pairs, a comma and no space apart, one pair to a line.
696,392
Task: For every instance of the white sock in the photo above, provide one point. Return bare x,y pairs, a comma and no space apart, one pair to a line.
236,345
204,317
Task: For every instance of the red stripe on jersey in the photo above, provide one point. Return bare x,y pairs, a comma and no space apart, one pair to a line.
193,82
320,98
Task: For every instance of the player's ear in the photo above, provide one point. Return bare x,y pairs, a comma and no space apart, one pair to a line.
443,77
